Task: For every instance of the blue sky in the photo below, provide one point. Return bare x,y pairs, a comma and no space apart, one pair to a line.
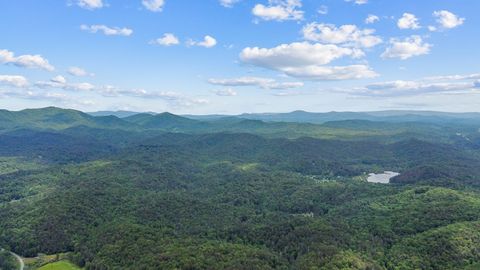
235,56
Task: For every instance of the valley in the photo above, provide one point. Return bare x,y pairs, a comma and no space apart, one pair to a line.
118,193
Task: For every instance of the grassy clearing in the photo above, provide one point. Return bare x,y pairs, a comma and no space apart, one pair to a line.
61,265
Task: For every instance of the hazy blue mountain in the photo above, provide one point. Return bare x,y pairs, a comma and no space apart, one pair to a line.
119,114
385,116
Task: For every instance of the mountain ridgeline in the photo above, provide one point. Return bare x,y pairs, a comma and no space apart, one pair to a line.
124,190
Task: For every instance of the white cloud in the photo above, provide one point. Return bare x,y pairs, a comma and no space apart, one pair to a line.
36,95
400,88
27,60
39,91
435,84
90,4
79,72
358,2
229,92
265,83
447,19
349,35
242,81
168,39
153,5
287,93
279,10
228,3
305,60
13,80
330,73
208,42
56,97
409,47
109,31
295,55
171,97
408,21
323,10
59,82
80,87
372,19
108,91
59,79
284,85
474,76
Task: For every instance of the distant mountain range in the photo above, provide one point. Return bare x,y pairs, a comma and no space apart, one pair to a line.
300,123
319,118
119,114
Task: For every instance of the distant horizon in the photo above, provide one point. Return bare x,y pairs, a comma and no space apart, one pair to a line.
237,114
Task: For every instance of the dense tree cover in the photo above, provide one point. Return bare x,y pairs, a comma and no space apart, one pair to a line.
454,246
146,199
460,129
7,261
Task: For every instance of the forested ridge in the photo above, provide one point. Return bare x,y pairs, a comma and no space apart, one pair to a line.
170,192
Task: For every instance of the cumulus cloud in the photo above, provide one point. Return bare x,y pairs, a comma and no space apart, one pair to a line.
279,10
229,92
447,19
348,35
168,39
90,4
294,55
228,3
372,19
79,72
305,60
407,48
13,80
27,60
208,42
109,31
265,83
408,21
154,5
